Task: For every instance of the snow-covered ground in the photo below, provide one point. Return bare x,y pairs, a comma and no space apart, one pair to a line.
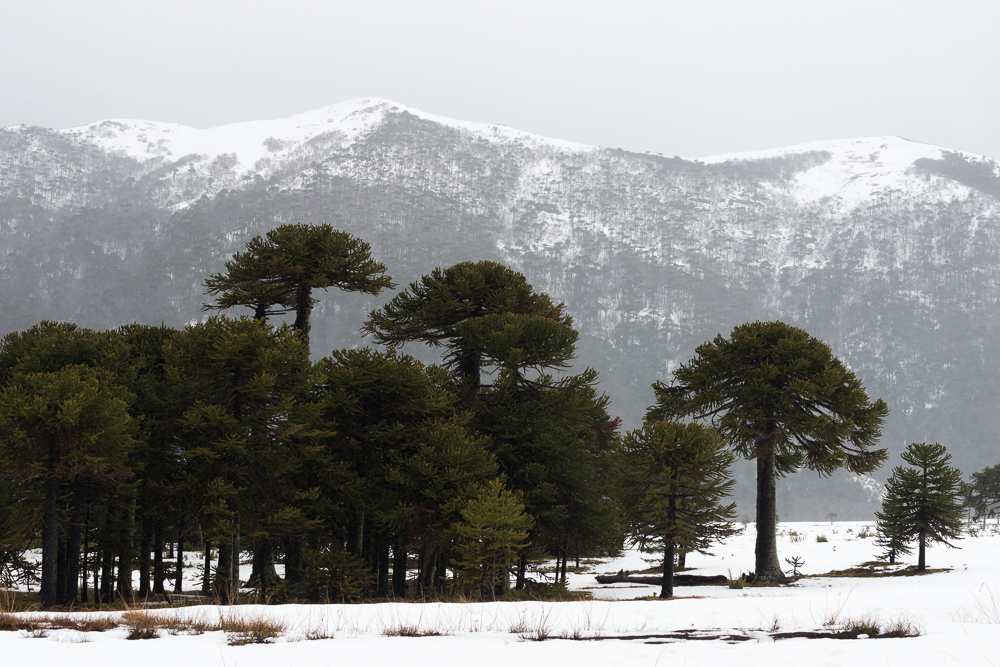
957,612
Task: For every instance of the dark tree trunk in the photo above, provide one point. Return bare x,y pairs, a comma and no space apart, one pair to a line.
293,559
50,531
84,562
399,570
441,571
767,566
179,576
667,590
144,562
107,580
427,567
383,570
263,575
303,307
206,577
681,559
158,571
62,566
234,571
921,553
125,556
356,534
522,566
892,556
562,573
73,545
470,367
222,571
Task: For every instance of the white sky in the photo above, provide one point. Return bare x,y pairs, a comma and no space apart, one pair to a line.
691,78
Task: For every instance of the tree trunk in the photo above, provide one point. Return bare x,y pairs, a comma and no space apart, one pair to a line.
470,368
921,554
179,580
303,307
125,556
158,573
398,570
223,569
144,562
522,566
62,565
383,570
427,565
206,577
84,563
263,575
667,589
107,580
234,571
356,534
767,566
294,565
50,531
73,545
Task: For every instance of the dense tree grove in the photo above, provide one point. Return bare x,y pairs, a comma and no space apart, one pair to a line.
367,473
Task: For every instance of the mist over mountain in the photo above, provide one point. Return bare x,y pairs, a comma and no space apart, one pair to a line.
885,248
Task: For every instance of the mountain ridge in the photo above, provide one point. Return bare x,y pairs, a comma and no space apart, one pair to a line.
886,249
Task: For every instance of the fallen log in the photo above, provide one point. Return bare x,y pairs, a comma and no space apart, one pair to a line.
624,576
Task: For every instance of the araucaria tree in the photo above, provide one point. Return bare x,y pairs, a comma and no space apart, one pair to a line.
432,309
922,503
279,272
777,395
672,478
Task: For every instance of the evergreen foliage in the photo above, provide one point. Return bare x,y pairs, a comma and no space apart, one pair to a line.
494,528
779,396
61,430
278,273
984,493
235,382
672,479
431,310
922,503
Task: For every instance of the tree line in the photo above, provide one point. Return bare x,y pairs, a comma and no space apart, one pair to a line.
367,464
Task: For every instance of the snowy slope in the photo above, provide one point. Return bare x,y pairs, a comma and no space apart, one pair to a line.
249,143
858,171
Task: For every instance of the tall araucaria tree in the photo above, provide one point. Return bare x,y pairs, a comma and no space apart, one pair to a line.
279,271
780,396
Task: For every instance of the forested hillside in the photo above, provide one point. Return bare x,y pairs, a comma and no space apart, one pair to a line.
884,248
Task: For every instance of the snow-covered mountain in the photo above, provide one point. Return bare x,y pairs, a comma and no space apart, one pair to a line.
883,247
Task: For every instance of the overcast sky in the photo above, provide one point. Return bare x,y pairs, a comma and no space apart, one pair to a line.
691,78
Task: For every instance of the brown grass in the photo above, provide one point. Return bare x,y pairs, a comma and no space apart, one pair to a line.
251,628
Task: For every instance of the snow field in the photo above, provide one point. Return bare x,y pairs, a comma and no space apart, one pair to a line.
957,612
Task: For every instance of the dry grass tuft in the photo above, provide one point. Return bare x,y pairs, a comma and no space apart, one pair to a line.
142,625
404,630
251,628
